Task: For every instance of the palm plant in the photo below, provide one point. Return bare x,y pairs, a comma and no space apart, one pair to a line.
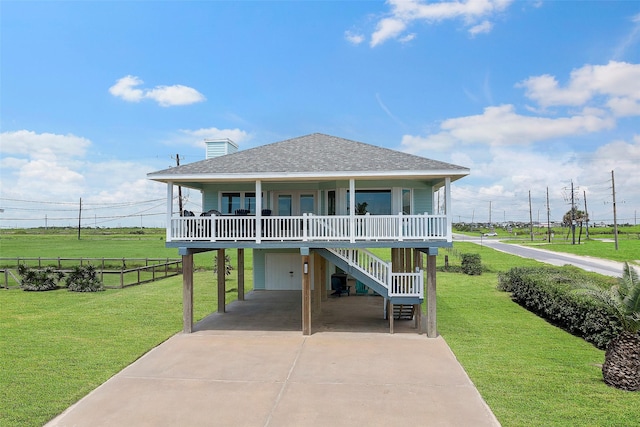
621,368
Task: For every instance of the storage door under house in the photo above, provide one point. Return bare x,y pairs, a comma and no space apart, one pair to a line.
283,272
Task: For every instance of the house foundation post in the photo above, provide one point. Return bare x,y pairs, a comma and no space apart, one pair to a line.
390,314
317,283
240,274
432,331
408,261
221,280
306,292
323,275
187,293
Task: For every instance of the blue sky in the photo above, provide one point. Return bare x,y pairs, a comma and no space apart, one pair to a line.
528,95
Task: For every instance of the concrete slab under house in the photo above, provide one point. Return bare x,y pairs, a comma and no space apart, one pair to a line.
290,202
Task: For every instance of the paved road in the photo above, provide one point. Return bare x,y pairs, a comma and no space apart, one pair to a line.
596,265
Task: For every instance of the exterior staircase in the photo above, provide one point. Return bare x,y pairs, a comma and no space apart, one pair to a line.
403,311
364,266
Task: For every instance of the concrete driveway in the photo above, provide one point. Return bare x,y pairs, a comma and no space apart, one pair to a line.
249,368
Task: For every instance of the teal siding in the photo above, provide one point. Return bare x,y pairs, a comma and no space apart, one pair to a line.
422,201
259,266
209,200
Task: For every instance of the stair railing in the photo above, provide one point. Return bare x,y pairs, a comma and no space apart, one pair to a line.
397,284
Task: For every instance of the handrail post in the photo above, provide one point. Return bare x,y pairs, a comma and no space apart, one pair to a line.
305,237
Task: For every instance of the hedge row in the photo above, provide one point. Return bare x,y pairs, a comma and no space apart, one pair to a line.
550,292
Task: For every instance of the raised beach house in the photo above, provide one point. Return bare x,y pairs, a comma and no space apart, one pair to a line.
311,208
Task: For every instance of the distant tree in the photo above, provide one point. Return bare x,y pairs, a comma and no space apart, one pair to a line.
579,216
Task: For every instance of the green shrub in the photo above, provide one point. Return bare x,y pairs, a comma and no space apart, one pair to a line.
45,279
471,264
84,278
549,293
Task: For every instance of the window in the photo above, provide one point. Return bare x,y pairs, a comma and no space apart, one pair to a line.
375,202
331,202
284,205
306,203
250,202
406,201
230,202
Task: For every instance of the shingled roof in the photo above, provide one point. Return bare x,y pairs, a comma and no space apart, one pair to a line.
314,155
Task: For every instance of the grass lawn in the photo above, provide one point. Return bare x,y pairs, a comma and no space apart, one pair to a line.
57,346
528,371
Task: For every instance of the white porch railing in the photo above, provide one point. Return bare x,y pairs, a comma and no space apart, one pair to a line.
310,228
397,284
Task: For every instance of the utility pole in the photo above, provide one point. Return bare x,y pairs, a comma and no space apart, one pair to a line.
586,213
548,218
489,213
79,217
179,187
573,217
615,219
530,218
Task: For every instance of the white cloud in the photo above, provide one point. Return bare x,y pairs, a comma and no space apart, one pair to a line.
482,28
624,106
43,163
51,178
630,39
125,89
386,29
406,12
165,96
503,148
353,38
503,126
617,81
29,143
407,38
44,174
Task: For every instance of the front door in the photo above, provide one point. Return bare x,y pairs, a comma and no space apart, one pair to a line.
295,203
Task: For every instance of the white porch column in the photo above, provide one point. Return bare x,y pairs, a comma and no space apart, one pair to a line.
258,211
447,207
352,210
169,210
